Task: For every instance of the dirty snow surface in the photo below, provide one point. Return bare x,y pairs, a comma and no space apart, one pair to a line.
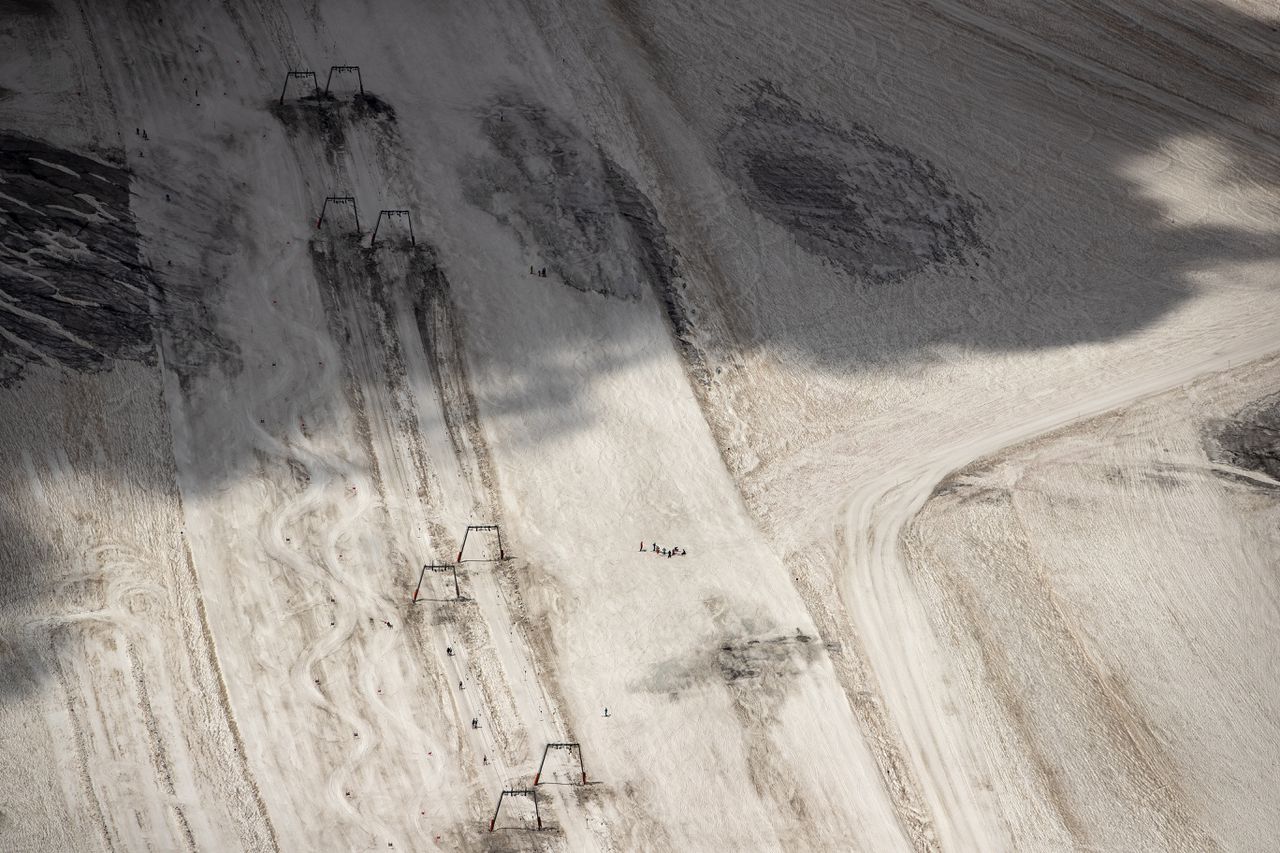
341,411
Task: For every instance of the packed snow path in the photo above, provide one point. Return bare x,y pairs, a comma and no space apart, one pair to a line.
886,604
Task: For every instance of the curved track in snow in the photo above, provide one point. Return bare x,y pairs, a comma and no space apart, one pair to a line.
880,594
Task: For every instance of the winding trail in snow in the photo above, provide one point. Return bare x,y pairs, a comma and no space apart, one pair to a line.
878,591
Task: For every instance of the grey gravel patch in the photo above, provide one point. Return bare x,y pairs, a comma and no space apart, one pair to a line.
763,664
766,658
580,215
29,8
72,289
874,209
1250,440
327,117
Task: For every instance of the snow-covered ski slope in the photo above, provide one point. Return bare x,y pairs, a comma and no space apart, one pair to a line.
804,261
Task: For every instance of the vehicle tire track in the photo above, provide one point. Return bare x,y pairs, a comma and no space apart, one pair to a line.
879,593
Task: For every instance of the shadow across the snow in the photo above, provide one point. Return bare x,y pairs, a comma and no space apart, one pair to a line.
875,210
839,237
75,293
1004,212
566,202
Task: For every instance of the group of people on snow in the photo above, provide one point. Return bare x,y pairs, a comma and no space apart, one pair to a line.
665,552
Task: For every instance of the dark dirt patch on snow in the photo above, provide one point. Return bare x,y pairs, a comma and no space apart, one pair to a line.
875,209
762,659
327,117
72,289
579,214
760,668
756,664
1250,440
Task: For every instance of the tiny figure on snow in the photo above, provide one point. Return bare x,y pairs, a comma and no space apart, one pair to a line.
475,724
448,650
606,712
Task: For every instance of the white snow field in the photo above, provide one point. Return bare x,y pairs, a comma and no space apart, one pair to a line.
941,334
